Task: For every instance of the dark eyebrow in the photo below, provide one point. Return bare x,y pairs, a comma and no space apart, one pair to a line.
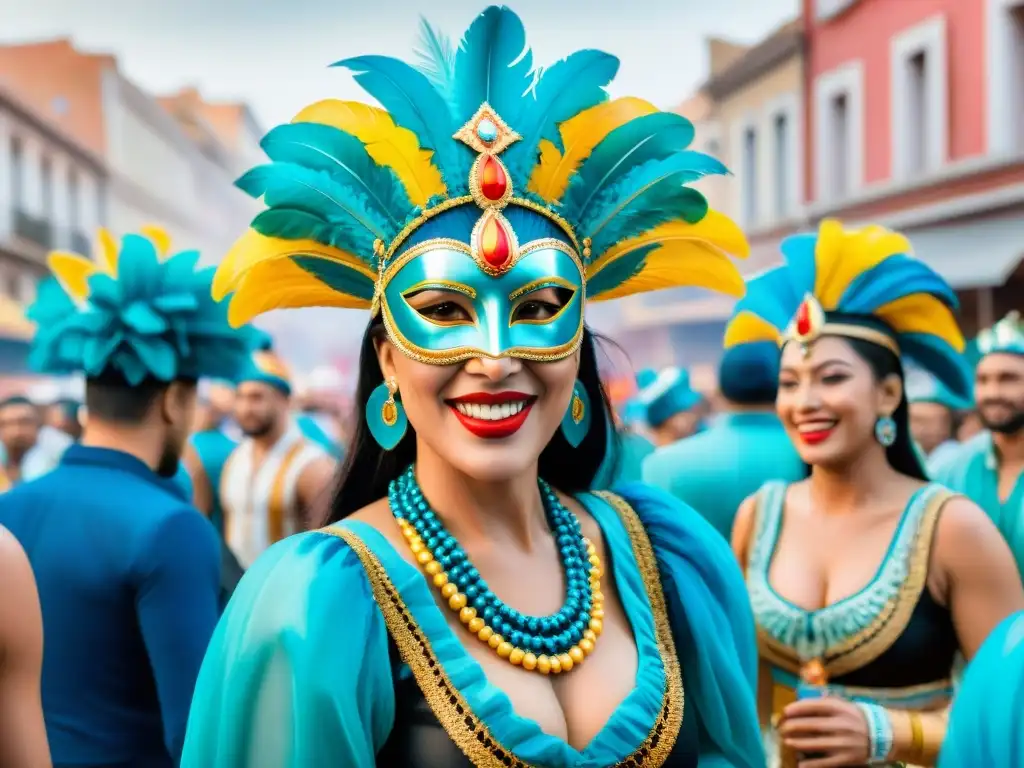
823,364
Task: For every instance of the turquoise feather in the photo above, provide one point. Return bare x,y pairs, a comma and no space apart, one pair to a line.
293,187
337,276
342,156
291,224
619,271
564,90
647,196
647,138
437,60
895,277
493,65
415,104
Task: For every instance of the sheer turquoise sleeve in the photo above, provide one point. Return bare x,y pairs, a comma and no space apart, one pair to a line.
298,672
986,727
713,624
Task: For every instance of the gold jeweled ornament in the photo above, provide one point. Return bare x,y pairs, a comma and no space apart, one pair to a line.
457,602
389,411
808,324
493,243
578,409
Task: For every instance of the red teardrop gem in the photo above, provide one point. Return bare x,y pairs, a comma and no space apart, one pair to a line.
803,319
494,244
493,181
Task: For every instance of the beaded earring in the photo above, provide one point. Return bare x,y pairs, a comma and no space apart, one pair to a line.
385,417
885,431
576,421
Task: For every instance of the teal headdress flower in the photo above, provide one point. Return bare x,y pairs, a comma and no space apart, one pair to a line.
135,312
351,188
1006,337
861,284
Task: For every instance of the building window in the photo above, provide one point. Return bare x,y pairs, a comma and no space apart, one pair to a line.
74,214
783,163
749,180
46,182
839,132
839,124
919,114
17,172
713,148
1017,25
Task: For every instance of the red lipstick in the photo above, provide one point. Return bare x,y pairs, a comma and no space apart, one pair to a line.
818,436
492,428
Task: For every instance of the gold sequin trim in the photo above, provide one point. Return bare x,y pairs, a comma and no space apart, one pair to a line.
891,622
464,728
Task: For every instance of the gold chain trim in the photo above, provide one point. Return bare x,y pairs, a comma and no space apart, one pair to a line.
662,738
466,730
890,623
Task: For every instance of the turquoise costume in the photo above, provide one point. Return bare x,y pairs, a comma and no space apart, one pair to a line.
973,469
988,717
890,645
924,388
213,448
715,470
127,569
500,187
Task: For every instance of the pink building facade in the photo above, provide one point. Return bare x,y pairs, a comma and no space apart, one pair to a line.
914,118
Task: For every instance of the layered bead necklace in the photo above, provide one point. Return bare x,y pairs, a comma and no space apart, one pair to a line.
545,644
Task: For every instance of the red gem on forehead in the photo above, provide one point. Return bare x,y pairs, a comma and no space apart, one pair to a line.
495,246
493,182
803,318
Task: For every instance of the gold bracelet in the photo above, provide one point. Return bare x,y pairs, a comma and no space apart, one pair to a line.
916,737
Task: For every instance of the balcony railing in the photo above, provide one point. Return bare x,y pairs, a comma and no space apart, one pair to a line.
33,229
80,243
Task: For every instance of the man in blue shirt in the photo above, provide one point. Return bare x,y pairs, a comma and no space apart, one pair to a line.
127,569
744,447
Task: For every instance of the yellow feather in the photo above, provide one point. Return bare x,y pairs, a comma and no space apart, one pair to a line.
841,256
388,144
689,255
283,284
252,249
160,239
72,271
746,327
107,250
580,135
923,313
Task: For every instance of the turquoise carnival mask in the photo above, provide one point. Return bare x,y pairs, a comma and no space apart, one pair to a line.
485,178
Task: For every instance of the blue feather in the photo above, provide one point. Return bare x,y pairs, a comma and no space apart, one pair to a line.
647,196
294,187
619,271
493,65
570,86
414,103
651,137
342,156
338,276
772,295
437,60
941,360
894,278
798,251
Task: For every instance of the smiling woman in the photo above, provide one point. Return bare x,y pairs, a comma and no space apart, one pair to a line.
865,578
469,601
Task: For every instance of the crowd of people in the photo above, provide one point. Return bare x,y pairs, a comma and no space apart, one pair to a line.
486,563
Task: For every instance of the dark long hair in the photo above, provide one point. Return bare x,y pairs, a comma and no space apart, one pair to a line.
368,468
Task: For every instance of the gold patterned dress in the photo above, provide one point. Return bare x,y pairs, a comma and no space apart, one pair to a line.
889,644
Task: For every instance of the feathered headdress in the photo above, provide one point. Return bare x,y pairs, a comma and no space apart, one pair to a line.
862,284
136,311
349,185
264,365
1006,336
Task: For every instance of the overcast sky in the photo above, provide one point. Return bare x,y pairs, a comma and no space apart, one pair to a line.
274,54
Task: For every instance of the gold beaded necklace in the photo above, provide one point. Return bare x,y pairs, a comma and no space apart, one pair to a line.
554,664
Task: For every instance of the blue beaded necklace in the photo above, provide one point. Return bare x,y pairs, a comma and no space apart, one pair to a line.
547,644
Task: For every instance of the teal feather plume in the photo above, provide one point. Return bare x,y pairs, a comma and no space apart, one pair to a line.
564,90
354,224
647,196
343,157
154,319
620,270
337,276
414,103
651,137
493,65
436,54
